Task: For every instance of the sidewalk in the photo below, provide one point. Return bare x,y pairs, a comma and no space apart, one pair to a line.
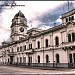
46,68
35,70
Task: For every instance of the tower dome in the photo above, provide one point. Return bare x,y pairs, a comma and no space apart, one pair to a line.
18,27
20,14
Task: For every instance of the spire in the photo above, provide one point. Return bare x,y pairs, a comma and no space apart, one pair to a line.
20,14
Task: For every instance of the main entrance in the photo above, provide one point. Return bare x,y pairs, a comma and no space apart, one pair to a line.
11,59
30,59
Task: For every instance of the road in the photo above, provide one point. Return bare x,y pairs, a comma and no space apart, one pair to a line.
18,70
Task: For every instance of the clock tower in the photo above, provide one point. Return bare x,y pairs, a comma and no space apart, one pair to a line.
18,27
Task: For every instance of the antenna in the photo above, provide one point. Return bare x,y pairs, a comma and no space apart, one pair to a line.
69,6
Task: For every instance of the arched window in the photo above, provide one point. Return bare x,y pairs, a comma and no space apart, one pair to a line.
38,59
47,59
66,19
73,36
20,48
70,58
46,42
69,37
38,44
57,58
74,57
72,17
56,41
69,18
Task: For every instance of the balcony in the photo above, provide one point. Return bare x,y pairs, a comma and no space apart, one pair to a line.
49,48
11,53
44,48
68,45
29,51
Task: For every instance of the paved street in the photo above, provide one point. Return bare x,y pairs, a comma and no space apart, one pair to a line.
19,71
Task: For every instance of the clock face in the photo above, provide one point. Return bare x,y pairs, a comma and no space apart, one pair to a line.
21,29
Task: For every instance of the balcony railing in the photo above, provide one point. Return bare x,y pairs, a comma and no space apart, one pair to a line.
44,65
29,51
68,44
11,53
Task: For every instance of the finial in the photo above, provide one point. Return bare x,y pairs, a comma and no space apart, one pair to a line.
19,10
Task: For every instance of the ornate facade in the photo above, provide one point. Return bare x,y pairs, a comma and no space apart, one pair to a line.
54,47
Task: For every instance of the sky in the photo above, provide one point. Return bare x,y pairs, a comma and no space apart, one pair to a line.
39,14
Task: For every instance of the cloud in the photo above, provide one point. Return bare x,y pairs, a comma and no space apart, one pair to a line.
39,14
4,28
4,4
51,16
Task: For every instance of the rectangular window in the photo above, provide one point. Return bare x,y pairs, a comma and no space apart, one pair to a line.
20,38
17,49
30,46
66,19
72,17
12,30
12,50
20,59
25,47
20,48
17,60
24,59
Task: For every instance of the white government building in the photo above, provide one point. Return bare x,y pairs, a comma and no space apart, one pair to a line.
54,47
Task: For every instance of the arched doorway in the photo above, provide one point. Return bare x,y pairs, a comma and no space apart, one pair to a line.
57,58
70,58
38,59
74,57
47,59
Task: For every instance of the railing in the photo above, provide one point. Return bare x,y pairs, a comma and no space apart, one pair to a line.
49,65
68,44
29,51
11,53
46,65
44,48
